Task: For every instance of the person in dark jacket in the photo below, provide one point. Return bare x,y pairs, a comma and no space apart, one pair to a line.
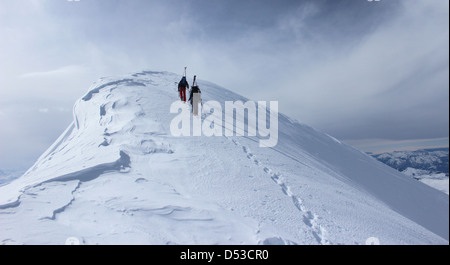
182,86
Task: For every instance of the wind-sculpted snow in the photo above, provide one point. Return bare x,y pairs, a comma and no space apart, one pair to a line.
127,82
118,176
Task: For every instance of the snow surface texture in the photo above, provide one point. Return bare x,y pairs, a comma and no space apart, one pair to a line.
118,176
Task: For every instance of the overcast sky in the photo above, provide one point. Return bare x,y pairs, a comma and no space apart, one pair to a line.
355,69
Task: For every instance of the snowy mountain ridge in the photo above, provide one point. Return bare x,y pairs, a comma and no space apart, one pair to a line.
118,176
431,160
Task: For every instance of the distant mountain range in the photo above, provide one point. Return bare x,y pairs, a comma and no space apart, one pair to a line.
431,160
7,176
430,166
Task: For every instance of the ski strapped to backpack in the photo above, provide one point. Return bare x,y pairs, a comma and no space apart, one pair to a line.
195,96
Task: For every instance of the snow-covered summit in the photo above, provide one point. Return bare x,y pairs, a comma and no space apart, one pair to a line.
118,176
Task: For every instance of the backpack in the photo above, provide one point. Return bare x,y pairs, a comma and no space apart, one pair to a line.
195,89
183,81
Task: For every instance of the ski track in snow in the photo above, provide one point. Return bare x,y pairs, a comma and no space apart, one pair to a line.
309,218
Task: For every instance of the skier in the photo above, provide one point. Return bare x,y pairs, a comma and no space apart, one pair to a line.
195,97
182,85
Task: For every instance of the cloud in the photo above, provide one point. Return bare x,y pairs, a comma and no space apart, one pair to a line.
378,146
27,131
390,83
354,69
56,73
43,110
